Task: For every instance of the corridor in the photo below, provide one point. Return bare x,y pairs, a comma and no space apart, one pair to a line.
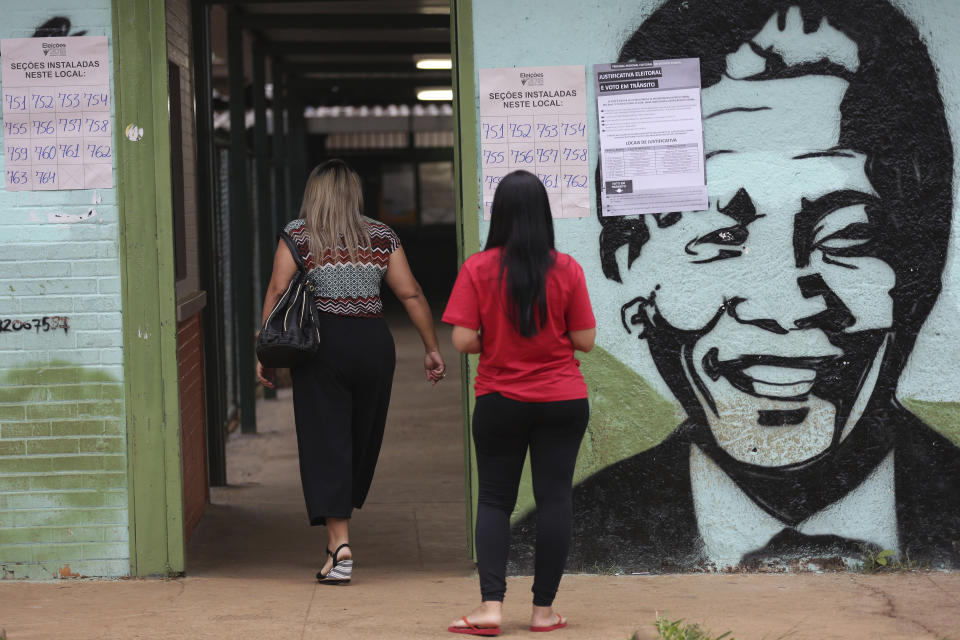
414,518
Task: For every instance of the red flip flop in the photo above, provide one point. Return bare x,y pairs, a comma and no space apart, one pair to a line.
474,630
561,623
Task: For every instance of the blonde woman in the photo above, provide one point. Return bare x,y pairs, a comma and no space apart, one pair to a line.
340,397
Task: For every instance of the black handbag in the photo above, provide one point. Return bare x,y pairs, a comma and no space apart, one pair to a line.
290,335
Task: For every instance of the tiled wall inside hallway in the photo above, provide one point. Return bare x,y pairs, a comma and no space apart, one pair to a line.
63,480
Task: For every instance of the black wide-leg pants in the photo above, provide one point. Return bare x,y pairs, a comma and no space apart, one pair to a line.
503,430
340,401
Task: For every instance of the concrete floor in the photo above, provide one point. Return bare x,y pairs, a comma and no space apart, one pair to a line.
252,560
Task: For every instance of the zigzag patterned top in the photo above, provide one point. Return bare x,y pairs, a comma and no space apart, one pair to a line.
342,287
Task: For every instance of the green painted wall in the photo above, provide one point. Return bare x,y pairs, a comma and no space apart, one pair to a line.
90,467
888,290
63,462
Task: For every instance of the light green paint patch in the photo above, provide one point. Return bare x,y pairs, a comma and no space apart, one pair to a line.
627,416
50,394
11,412
55,372
24,429
57,398
65,469
942,416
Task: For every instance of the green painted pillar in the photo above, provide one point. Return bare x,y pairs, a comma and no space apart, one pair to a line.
149,300
466,178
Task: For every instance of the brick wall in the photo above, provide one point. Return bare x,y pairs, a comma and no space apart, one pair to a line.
192,420
63,481
178,52
190,328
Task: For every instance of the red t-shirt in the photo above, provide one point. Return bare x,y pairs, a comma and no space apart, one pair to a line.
536,369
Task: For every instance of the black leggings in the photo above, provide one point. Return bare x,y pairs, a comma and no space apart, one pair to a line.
503,429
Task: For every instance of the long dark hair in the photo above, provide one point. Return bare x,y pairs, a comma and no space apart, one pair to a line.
522,226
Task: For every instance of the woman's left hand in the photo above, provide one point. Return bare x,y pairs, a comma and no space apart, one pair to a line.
434,367
266,375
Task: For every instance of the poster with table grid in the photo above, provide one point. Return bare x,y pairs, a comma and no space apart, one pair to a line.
57,129
535,118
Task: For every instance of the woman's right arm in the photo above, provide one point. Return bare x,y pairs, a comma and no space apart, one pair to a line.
583,340
579,312
466,340
463,312
400,279
284,266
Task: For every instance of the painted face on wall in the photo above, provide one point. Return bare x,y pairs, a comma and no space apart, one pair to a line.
776,293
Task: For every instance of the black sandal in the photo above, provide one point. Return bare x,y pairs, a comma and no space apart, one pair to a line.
340,571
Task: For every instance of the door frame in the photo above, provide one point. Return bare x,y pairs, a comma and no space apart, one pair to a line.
467,194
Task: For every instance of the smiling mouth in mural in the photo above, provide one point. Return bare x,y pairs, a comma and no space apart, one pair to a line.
773,377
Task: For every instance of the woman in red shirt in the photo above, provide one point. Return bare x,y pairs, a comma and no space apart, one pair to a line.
523,306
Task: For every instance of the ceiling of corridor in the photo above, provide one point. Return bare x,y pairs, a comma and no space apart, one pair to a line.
342,52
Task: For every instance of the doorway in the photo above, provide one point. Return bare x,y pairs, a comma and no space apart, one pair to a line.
281,87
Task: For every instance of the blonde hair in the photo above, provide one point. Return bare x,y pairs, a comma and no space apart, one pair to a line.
333,210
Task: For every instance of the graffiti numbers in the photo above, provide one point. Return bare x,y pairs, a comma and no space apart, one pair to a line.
45,324
99,151
549,180
57,137
570,129
493,131
520,130
16,128
42,102
547,156
17,154
521,156
17,177
494,157
547,130
45,177
575,181
94,100
97,125
552,146
48,152
43,127
68,100
70,150
70,125
492,181
15,102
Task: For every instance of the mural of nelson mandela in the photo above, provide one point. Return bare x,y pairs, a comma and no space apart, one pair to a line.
782,317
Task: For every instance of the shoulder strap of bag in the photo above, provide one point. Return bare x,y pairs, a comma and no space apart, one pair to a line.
295,250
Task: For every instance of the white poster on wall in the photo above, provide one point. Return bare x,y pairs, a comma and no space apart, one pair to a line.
651,137
535,118
57,130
